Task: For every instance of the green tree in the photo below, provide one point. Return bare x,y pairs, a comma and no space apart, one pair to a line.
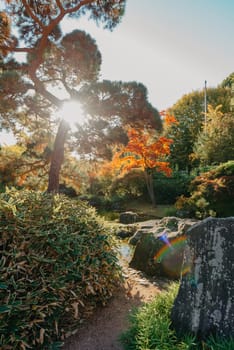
70,62
227,82
52,59
215,144
27,166
110,106
189,111
33,112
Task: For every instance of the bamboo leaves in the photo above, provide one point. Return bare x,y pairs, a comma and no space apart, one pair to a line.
56,263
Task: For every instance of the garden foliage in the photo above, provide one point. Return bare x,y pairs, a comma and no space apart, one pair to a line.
168,189
57,262
150,326
150,329
211,194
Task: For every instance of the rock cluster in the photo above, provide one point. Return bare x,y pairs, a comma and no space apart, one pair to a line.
158,245
160,248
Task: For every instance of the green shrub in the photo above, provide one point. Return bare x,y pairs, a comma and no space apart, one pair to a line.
57,263
105,203
150,329
171,211
168,189
131,185
150,326
109,215
212,194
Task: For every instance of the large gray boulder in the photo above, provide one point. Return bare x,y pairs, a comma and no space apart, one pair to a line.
125,231
157,256
143,228
205,302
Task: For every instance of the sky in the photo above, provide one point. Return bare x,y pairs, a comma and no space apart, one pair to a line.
171,46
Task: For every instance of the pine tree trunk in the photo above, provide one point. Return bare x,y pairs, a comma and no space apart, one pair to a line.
57,157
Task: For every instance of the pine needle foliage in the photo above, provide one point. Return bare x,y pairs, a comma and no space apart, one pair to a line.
57,262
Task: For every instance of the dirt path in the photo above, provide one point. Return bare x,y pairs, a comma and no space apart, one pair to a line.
102,331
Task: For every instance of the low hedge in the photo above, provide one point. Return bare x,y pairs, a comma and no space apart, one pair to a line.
57,262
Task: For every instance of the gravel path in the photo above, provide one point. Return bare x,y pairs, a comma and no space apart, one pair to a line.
103,329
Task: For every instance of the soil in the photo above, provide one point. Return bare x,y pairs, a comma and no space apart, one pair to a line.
103,329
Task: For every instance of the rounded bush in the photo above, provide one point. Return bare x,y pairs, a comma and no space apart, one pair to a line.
57,262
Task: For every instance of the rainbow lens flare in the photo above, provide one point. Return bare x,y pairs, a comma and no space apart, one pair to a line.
170,256
163,237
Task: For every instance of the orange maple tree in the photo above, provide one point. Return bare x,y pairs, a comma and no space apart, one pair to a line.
168,119
143,151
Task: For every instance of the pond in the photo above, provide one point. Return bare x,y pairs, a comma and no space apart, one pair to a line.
125,250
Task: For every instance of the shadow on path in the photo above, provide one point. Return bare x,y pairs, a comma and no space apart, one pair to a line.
102,330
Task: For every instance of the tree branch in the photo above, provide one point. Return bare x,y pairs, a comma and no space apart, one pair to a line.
76,8
46,30
31,14
60,6
38,164
17,49
39,87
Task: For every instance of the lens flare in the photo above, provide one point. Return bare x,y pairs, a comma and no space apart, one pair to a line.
173,244
163,237
171,255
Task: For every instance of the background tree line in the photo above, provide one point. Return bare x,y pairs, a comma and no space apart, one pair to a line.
72,63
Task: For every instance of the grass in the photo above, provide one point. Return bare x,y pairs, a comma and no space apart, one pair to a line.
150,329
145,208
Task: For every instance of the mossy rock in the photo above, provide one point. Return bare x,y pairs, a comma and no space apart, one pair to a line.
159,251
